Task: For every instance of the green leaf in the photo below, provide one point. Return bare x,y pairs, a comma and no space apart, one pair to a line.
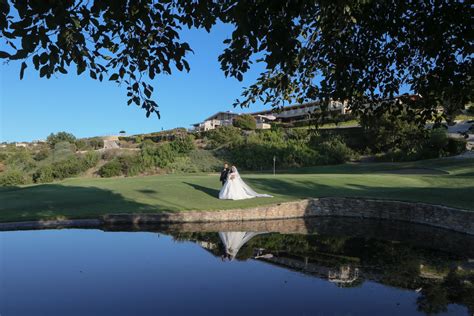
43,71
147,93
22,70
76,22
81,68
44,58
114,77
4,54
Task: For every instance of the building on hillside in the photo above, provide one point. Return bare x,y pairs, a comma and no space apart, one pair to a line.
287,114
263,121
300,112
216,120
24,145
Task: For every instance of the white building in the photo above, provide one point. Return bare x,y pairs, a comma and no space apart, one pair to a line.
299,112
292,113
216,120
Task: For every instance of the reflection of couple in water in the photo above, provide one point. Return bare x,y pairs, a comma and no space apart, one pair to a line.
234,188
233,241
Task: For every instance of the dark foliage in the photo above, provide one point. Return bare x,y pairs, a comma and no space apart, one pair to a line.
361,51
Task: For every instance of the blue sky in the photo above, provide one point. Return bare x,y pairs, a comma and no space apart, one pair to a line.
34,107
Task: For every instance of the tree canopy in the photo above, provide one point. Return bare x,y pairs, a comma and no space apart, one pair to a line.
364,52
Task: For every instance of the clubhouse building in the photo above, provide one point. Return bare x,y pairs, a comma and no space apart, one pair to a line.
287,114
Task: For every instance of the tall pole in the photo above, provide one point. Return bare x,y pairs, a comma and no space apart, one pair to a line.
274,160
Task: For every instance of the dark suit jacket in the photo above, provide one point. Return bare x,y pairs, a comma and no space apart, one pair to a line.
224,174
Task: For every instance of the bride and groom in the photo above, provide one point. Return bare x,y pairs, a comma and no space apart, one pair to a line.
234,188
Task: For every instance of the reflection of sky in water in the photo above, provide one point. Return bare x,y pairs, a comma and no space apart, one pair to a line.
90,272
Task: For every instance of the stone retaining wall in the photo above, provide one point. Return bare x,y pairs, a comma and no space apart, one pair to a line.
420,213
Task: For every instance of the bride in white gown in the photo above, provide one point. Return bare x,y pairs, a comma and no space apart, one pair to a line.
236,189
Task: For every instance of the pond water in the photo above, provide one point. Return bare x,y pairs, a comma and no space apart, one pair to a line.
294,267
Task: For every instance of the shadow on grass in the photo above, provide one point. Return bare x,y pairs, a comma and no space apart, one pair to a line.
52,201
209,191
460,197
427,167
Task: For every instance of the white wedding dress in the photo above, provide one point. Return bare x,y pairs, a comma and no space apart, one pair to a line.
236,189
233,241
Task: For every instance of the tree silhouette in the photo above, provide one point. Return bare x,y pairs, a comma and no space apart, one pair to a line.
358,51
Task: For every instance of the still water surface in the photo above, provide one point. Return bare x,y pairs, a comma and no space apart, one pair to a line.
316,267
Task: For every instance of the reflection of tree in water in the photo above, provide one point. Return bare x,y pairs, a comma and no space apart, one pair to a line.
456,287
338,258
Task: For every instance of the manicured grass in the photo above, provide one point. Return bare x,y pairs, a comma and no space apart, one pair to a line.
447,181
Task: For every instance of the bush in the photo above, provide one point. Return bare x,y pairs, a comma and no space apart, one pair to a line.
205,160
63,150
90,159
96,142
82,145
42,154
196,161
224,135
20,159
112,168
13,177
470,109
438,138
456,146
183,164
245,122
110,154
164,155
53,139
153,155
44,174
389,132
334,151
68,168
183,145
131,165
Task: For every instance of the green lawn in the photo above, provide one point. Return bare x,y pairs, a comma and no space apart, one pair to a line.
448,182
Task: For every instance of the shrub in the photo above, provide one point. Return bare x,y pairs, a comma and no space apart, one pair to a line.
20,159
456,146
112,168
147,151
63,150
13,177
53,139
470,109
90,159
196,161
96,142
42,154
67,168
245,122
82,145
183,145
110,154
438,138
224,135
131,165
335,151
44,174
388,132
183,164
164,155
205,160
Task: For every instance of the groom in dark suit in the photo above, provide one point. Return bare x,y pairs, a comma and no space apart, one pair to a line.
224,174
